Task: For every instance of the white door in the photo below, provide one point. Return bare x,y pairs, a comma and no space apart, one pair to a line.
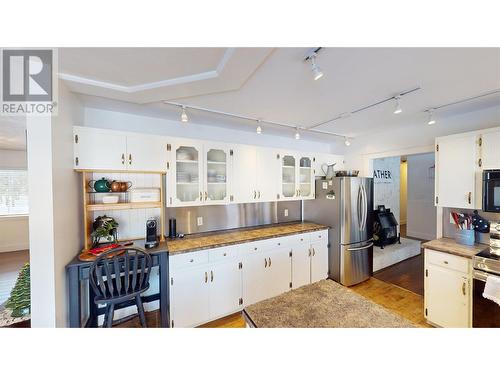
305,182
99,149
147,153
446,297
267,174
244,174
288,177
319,261
455,171
254,278
225,289
490,150
279,272
190,297
301,264
217,177
186,177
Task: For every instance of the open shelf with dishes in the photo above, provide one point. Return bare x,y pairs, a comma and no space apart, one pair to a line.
141,198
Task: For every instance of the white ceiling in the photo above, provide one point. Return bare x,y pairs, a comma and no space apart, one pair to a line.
277,85
280,87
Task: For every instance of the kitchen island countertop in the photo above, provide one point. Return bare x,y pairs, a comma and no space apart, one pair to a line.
450,246
212,240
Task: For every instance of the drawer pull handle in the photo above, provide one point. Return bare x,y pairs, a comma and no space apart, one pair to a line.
265,262
211,276
206,277
309,252
445,262
255,248
302,239
279,243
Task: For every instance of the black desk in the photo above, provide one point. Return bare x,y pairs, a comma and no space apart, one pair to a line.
78,272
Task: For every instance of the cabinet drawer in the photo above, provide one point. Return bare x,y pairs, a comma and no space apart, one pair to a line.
298,239
194,258
321,235
222,253
265,245
445,260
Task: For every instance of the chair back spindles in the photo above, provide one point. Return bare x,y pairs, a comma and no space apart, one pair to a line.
118,275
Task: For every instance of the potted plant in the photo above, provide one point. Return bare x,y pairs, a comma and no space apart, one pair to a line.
104,227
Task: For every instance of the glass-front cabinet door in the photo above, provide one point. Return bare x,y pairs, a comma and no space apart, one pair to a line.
289,190
306,177
186,179
216,181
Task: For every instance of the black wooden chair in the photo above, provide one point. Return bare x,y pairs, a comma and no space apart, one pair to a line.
120,275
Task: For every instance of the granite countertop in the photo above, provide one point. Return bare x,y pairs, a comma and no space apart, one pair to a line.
325,304
450,246
211,240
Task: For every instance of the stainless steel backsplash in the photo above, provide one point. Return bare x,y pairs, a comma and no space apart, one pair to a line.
232,216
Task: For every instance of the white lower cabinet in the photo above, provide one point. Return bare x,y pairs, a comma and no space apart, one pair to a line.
319,261
210,284
447,290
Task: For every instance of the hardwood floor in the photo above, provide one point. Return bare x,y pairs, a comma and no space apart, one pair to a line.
231,321
408,274
401,301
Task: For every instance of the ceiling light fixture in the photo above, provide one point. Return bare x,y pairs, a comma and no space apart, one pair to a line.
184,116
311,56
347,142
259,128
398,109
431,120
297,134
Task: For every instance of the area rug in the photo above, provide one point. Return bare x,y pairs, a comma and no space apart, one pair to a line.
325,304
395,253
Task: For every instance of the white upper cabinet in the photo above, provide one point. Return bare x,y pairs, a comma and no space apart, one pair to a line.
297,176
267,172
217,173
186,174
490,150
245,174
101,149
456,170
146,153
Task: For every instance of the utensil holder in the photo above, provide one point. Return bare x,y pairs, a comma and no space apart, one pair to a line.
465,236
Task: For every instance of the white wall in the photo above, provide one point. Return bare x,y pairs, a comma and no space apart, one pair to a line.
386,185
99,118
14,229
403,190
55,210
421,215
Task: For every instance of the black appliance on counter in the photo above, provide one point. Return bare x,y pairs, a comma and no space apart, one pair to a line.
485,313
385,227
491,190
151,234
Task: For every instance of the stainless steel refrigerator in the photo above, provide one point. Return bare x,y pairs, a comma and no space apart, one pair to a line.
346,205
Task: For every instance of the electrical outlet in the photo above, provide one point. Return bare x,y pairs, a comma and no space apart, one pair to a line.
286,212
199,220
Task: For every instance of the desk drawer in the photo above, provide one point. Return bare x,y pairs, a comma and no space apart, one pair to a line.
194,258
446,260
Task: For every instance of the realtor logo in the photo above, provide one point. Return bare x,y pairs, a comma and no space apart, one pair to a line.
28,84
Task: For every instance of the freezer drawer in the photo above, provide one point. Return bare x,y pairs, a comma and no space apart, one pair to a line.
356,263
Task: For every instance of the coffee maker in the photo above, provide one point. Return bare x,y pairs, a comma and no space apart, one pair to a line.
151,233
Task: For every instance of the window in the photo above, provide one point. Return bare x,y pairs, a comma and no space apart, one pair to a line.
13,192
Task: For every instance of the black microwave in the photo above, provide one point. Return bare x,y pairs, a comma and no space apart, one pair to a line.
491,190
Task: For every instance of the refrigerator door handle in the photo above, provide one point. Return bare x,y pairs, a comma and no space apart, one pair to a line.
365,207
360,248
359,208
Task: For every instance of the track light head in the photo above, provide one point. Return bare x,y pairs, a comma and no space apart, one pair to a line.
297,134
317,73
259,130
398,109
431,120
347,142
184,116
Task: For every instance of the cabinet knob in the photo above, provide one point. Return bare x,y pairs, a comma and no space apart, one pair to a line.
191,260
224,254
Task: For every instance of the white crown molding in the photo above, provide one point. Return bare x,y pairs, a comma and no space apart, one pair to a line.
231,73
152,85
